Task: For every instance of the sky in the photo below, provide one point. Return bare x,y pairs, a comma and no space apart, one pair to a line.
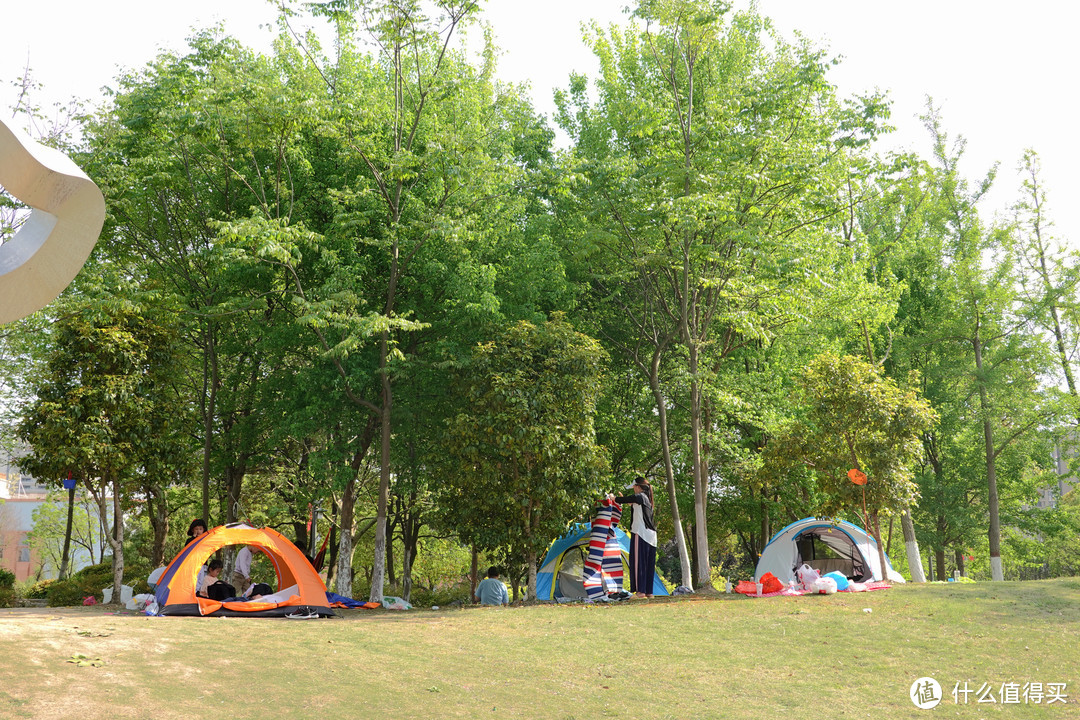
1004,78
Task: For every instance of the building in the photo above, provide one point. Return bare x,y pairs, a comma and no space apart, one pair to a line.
20,496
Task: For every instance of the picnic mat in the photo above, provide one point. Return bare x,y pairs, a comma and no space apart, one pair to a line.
793,593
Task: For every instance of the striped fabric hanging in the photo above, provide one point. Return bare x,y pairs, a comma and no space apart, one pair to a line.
603,569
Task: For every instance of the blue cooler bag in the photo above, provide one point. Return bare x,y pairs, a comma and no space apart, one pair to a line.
841,580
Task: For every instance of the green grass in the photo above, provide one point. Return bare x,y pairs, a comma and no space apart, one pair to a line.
729,657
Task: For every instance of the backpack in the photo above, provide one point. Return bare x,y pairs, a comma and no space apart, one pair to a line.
220,591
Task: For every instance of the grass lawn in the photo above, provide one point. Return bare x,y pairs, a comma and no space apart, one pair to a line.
692,657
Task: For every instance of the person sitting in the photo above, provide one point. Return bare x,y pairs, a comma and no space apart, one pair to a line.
211,587
491,590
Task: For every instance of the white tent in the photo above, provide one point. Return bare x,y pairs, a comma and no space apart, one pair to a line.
825,545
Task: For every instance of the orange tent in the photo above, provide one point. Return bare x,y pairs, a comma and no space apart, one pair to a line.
300,587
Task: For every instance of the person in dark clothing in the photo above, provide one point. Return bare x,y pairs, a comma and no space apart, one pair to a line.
642,538
195,529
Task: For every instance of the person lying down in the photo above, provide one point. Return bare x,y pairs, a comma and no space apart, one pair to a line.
279,597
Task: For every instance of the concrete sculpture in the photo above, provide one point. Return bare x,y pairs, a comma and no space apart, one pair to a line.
51,246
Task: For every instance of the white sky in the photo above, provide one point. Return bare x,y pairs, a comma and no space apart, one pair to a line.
1004,73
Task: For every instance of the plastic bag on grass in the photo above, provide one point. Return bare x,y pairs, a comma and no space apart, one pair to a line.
840,578
395,603
807,576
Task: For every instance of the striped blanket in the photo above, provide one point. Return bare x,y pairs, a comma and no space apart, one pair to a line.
603,571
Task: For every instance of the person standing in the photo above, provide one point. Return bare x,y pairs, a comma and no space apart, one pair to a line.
642,538
241,577
491,590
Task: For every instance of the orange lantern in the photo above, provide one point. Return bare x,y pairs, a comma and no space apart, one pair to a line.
857,476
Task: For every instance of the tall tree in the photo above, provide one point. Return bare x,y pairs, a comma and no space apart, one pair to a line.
105,377
857,420
522,457
1049,273
711,166
982,356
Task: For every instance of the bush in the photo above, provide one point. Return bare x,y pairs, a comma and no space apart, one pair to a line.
457,594
35,590
88,581
7,580
7,597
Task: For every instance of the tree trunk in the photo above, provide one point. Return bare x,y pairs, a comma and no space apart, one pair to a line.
669,471
766,531
390,574
996,572
208,422
234,477
378,569
474,568
158,515
66,554
531,556
344,576
960,563
701,540
406,572
880,548
117,542
911,544
332,545
410,539
939,561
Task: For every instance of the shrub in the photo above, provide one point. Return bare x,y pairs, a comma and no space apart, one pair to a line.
35,590
457,594
717,577
7,580
7,597
88,581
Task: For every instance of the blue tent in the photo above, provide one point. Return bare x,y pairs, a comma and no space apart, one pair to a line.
560,573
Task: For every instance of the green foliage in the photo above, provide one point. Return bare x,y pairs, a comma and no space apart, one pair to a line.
453,595
36,590
86,582
522,458
7,579
857,419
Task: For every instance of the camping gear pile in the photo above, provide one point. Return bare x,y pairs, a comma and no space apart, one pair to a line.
815,556
827,546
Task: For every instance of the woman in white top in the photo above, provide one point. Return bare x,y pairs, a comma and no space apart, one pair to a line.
642,538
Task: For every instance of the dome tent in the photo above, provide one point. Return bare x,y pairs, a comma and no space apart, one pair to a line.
825,545
560,574
175,592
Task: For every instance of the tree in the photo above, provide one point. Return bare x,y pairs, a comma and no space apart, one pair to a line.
984,318
522,458
711,166
1049,274
51,533
857,420
107,373
425,157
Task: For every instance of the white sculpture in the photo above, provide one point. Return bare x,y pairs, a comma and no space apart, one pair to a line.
51,246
